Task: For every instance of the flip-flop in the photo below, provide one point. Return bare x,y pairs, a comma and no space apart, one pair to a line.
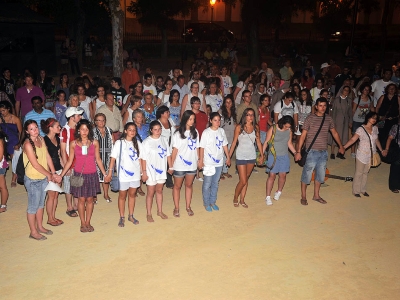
42,238
55,223
235,203
121,222
72,213
176,213
48,232
320,200
190,212
244,204
222,177
303,202
84,229
141,193
228,175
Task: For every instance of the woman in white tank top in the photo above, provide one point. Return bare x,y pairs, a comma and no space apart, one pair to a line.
247,134
194,91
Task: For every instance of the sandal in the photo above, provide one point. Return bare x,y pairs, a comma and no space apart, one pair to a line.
108,199
54,223
133,220
228,175
189,211
235,203
244,204
60,222
13,184
121,222
140,192
84,229
162,215
150,218
222,177
47,232
90,228
71,213
42,238
303,202
320,200
176,213
395,191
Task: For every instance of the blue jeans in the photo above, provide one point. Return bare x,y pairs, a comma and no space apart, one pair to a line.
36,193
263,137
224,166
316,160
210,187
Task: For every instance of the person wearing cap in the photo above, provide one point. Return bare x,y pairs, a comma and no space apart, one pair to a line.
38,113
324,74
113,116
73,101
73,115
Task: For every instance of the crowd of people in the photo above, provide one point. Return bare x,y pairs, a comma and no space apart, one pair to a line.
154,132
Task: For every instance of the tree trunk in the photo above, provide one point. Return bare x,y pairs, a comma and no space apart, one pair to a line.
384,28
253,45
117,20
79,27
164,43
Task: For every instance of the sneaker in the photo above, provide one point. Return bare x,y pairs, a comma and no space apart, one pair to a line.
353,155
277,195
268,200
200,179
208,208
255,170
214,206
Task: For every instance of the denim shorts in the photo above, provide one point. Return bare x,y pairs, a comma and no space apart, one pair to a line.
241,162
183,173
316,160
3,171
36,193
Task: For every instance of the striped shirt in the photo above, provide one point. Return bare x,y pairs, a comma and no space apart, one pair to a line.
312,124
33,115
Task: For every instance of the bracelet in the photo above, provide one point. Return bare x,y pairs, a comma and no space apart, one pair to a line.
170,168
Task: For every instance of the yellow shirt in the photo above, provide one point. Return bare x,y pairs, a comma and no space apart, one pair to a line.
30,171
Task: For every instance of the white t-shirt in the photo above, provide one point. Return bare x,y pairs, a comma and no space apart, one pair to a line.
378,88
149,89
129,170
227,81
155,156
242,87
186,158
315,94
285,110
85,105
213,141
201,85
164,98
215,101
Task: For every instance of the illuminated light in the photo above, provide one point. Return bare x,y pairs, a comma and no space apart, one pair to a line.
212,2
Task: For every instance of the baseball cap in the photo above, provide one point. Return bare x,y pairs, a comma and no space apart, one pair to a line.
324,65
74,111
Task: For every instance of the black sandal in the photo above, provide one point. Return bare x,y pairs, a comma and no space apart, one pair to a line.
72,213
121,222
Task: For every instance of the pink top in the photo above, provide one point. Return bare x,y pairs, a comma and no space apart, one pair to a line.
90,164
364,152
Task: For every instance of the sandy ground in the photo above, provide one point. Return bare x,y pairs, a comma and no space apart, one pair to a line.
346,249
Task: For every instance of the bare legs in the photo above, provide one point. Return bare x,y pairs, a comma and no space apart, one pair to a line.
151,190
317,187
241,188
51,206
3,192
35,222
85,209
178,181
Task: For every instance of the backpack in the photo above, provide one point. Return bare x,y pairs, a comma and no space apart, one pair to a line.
20,171
273,113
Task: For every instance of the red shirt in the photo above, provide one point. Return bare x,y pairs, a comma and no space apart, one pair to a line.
264,118
201,122
64,139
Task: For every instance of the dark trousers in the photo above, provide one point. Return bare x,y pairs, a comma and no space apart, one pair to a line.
74,66
169,183
394,176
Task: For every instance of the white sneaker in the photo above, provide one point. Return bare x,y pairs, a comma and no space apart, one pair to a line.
268,200
277,195
200,179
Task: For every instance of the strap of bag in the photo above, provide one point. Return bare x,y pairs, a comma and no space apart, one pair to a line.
83,167
272,148
170,133
316,135
370,145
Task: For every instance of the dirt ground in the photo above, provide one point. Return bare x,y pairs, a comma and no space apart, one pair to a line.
346,249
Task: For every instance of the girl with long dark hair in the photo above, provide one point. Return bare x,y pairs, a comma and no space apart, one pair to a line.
228,123
185,154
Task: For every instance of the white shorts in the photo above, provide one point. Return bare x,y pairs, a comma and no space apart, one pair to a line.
151,183
123,186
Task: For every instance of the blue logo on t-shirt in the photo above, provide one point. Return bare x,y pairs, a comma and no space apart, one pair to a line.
191,143
219,142
163,152
189,163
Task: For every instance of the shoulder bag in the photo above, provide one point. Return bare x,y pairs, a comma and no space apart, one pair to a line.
114,184
375,158
303,150
77,181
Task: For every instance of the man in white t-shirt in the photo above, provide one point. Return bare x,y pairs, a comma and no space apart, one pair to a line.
148,86
378,86
226,81
196,78
287,107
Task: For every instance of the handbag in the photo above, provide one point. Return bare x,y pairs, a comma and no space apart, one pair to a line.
77,181
393,155
20,171
303,150
271,149
114,184
375,158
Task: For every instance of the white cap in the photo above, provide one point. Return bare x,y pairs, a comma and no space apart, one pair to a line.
74,111
324,65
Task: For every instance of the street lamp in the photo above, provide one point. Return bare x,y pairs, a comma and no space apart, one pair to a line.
212,2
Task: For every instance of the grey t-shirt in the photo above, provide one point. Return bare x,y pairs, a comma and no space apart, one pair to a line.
362,110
